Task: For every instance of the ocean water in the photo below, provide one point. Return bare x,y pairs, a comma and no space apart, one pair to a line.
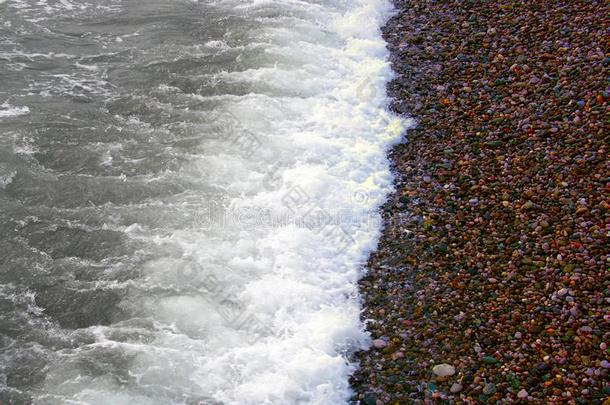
188,195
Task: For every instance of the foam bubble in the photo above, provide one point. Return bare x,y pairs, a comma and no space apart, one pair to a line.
7,110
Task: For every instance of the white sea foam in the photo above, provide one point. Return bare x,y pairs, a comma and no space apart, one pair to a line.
7,110
300,281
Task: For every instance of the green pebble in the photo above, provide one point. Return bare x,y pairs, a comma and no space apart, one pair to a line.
513,381
489,360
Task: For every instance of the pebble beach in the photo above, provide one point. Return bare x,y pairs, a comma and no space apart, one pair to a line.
491,283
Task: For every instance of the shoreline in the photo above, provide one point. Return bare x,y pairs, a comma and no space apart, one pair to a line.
492,260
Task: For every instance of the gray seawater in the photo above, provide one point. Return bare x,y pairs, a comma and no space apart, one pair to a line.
127,127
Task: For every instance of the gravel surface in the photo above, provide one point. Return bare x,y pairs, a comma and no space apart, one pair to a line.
491,281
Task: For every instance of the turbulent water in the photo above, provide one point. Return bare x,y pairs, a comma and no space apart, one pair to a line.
188,192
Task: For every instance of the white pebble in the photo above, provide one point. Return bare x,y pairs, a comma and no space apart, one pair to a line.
443,370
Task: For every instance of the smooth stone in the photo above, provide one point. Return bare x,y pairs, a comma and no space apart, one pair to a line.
443,370
522,394
455,388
